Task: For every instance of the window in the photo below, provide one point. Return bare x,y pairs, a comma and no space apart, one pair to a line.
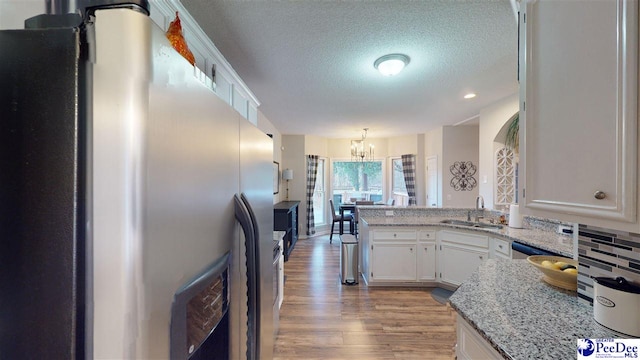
319,195
354,180
398,186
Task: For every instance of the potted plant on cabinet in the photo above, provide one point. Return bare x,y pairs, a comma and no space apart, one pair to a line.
512,139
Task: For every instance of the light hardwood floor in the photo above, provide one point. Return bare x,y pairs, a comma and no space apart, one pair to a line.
323,319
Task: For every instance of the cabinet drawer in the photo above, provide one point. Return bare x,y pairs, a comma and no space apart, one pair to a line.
502,247
465,238
394,235
427,235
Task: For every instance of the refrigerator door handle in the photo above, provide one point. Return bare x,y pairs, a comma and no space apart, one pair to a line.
246,220
253,268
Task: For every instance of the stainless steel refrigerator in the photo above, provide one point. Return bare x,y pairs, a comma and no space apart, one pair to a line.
118,174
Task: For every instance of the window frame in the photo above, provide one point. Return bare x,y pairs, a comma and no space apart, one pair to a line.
401,198
383,165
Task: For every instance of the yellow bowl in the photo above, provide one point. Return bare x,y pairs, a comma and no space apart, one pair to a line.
553,275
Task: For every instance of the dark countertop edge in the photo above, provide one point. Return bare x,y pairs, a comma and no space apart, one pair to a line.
286,205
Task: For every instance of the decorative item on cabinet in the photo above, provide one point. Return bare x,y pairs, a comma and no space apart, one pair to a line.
512,138
276,178
287,174
174,34
213,79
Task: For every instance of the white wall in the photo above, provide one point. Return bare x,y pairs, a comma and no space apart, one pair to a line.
293,157
14,12
266,126
434,147
460,144
421,171
315,145
492,119
402,145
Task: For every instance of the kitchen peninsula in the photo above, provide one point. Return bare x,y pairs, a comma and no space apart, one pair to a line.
528,318
419,246
541,235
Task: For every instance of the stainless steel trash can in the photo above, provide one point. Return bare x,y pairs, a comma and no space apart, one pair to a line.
349,260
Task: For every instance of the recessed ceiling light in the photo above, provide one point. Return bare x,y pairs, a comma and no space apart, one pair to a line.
470,96
391,64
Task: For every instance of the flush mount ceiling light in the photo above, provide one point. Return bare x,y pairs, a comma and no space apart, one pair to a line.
391,64
470,96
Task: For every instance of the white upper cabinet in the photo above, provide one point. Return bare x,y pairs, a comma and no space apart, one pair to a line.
578,111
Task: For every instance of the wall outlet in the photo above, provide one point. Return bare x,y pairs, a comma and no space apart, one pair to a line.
388,212
565,229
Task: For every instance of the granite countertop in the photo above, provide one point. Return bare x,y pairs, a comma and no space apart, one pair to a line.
523,317
542,239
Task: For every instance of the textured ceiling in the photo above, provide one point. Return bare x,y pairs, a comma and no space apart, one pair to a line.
310,62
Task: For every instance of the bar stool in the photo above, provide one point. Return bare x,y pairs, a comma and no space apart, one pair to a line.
337,218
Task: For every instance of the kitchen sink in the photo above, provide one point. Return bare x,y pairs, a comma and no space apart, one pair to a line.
471,224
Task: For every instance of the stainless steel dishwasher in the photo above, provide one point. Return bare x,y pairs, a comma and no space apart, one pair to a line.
522,251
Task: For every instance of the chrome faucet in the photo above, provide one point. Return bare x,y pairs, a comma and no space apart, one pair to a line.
479,206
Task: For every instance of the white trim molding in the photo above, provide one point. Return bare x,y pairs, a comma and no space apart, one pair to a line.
233,89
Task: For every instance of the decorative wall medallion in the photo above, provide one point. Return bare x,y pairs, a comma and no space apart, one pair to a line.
463,179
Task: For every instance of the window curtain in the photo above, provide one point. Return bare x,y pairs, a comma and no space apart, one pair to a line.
409,172
312,172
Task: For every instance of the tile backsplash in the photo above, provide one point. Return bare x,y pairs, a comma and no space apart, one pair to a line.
608,253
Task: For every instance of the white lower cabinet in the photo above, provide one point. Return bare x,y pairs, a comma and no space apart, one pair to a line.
471,345
500,249
420,256
392,255
427,261
393,262
460,255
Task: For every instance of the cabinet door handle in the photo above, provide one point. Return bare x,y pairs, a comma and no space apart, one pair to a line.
599,195
500,246
411,249
481,257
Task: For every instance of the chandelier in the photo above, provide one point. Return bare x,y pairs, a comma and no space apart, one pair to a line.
359,149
